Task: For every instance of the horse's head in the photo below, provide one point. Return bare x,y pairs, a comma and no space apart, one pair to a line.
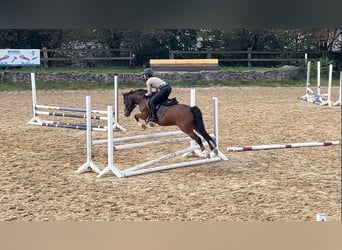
131,99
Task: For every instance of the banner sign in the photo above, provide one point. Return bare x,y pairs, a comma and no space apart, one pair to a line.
19,57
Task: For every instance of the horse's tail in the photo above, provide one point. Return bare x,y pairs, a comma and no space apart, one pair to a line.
200,128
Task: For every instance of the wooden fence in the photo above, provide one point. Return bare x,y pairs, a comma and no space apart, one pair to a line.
91,57
250,56
87,56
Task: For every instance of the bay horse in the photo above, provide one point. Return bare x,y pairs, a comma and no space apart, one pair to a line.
188,119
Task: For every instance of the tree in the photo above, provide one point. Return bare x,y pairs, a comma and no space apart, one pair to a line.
30,39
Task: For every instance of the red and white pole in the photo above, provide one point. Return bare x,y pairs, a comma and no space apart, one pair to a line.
282,146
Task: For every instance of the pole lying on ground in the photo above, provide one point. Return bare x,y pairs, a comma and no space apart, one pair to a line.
282,146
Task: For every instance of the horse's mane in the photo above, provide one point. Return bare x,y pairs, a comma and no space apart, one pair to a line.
138,91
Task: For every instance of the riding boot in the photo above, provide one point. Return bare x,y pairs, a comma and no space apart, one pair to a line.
152,121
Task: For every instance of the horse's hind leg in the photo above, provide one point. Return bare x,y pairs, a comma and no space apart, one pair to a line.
198,140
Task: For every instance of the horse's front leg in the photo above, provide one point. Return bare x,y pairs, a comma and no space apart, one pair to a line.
140,119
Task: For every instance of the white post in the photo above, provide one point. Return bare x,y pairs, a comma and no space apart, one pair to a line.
192,142
329,102
338,102
192,104
330,84
110,166
89,163
306,58
216,129
318,78
34,93
192,97
116,105
308,90
34,119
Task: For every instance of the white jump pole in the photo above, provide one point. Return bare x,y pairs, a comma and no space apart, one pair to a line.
338,102
116,106
150,143
282,146
162,158
89,164
171,166
138,137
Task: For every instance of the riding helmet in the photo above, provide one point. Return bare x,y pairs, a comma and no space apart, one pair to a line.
148,71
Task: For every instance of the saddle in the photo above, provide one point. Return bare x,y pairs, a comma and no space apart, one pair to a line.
169,102
162,107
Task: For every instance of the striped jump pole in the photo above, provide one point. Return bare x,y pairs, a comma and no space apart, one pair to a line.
282,146
79,110
72,125
36,120
94,117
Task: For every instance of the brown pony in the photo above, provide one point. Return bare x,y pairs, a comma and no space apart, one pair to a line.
188,119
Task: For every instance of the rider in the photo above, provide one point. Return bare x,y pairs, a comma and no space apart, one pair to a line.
163,93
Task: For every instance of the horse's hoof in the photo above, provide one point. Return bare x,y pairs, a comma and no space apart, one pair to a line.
201,154
152,124
215,151
142,125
